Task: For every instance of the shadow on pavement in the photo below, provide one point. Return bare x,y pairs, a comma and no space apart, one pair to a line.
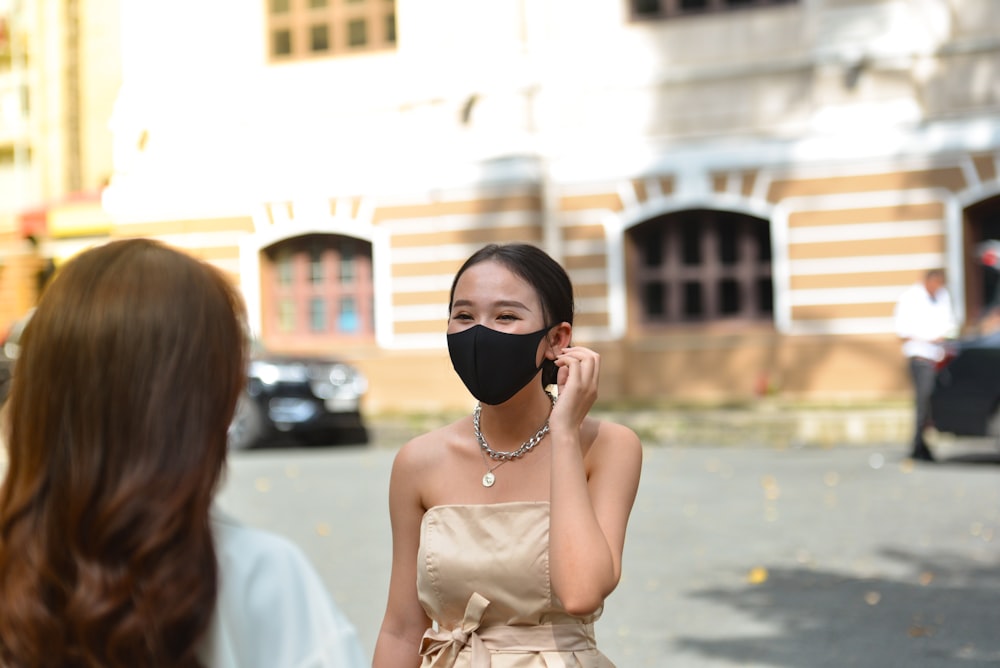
941,612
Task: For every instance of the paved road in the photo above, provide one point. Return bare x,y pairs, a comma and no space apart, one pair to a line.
736,556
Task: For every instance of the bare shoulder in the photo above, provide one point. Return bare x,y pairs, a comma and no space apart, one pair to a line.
611,443
605,434
421,451
425,453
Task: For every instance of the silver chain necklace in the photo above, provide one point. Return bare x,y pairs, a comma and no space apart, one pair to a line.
502,455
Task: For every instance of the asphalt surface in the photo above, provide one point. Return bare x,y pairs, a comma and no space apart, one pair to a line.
747,556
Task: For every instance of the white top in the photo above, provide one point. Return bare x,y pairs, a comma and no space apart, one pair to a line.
923,321
273,610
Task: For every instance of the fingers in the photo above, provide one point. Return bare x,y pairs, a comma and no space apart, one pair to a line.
577,380
579,367
578,353
582,359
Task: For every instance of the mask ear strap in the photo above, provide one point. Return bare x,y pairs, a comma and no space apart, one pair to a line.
550,373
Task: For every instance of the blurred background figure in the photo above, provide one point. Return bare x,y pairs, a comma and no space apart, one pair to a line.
116,425
924,319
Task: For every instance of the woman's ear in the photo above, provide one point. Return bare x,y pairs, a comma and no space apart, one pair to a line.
559,337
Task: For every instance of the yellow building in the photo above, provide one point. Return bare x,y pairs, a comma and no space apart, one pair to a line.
60,71
739,190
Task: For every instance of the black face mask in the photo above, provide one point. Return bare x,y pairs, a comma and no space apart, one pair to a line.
494,365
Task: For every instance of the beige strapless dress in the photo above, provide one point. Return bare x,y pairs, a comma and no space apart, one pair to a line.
483,578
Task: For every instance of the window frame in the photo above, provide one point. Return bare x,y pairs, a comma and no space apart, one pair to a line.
303,17
313,263
656,257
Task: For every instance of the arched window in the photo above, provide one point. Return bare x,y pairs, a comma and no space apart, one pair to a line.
701,266
318,287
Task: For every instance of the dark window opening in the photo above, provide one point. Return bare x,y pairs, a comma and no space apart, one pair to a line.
652,249
729,296
654,299
319,38
728,242
282,42
646,7
765,295
654,9
700,266
693,308
357,32
763,239
691,241
390,28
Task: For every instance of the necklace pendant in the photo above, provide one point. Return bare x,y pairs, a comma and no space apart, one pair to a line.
489,479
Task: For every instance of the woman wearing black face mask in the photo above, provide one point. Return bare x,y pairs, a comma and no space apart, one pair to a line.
509,525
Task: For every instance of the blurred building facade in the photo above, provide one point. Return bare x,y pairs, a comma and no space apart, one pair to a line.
60,71
740,189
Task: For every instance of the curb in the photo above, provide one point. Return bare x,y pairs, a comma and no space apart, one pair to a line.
771,426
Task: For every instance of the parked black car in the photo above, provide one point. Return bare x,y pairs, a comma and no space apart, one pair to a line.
9,350
966,398
311,399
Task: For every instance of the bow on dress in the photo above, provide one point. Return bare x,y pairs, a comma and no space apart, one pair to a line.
550,641
445,645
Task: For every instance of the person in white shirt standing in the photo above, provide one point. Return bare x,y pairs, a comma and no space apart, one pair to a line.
924,320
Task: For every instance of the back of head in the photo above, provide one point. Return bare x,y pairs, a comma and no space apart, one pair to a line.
128,376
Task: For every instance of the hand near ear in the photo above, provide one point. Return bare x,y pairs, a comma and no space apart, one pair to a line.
579,370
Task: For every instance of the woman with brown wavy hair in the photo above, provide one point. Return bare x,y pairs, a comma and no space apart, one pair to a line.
129,373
